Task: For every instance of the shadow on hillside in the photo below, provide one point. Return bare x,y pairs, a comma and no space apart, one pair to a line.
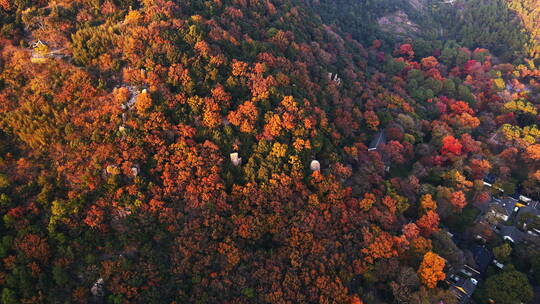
496,25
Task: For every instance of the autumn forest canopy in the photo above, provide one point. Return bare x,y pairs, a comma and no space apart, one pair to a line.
269,151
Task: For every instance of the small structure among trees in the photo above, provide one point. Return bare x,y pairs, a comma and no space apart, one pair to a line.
97,289
235,159
315,165
112,170
335,78
135,170
40,52
380,138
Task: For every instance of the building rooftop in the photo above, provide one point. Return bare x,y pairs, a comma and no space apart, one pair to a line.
532,209
511,233
490,178
315,165
463,289
380,138
505,205
482,257
236,159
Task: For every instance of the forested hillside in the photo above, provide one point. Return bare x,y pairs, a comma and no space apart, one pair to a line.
508,28
368,20
246,151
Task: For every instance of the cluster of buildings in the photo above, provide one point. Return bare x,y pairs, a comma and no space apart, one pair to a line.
463,282
515,219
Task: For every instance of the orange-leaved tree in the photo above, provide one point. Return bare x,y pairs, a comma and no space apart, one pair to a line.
458,200
427,203
431,269
428,223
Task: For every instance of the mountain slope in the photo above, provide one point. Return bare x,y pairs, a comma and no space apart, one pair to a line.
120,184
